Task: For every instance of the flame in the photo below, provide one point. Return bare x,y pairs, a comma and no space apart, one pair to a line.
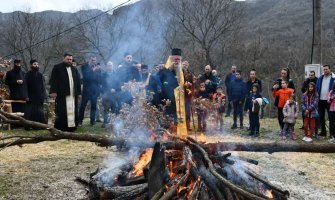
172,174
142,162
180,188
269,194
192,185
202,138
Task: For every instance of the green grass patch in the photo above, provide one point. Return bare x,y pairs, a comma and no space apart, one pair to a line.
4,187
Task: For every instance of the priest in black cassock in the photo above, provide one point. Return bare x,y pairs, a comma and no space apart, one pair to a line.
65,87
36,94
17,86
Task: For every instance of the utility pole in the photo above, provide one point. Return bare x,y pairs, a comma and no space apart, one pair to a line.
316,48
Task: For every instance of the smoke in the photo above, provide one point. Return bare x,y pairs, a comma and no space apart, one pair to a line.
137,28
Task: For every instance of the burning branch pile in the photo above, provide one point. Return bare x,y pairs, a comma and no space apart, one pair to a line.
191,172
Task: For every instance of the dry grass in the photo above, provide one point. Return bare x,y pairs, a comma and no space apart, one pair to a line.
47,170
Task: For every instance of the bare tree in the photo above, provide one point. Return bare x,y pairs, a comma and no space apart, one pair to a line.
206,23
25,33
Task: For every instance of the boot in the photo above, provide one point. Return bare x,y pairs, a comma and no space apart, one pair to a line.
293,136
251,133
256,134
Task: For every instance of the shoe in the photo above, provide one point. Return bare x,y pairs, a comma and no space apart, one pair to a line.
234,127
227,115
283,137
92,123
309,139
103,125
249,129
304,138
251,133
293,136
256,134
332,140
241,127
302,128
80,124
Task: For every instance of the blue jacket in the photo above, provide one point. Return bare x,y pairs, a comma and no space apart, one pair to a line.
237,90
319,83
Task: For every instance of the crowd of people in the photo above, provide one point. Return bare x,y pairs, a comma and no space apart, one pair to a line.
73,87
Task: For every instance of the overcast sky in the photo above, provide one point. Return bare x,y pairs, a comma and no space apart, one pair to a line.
60,5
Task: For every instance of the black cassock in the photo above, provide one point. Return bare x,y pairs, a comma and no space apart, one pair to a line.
59,84
17,91
36,94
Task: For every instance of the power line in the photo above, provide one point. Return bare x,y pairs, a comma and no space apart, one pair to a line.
69,29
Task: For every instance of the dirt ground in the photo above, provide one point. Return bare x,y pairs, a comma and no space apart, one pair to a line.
47,170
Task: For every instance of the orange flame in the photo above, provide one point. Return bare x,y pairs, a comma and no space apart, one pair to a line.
142,162
192,185
172,174
269,194
180,188
202,138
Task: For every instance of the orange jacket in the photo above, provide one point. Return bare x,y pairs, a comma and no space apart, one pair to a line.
284,94
221,97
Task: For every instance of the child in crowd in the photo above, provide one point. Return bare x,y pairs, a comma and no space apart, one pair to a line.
331,101
309,105
219,100
290,112
201,102
283,95
253,104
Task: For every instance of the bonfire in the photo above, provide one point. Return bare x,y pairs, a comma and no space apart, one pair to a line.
177,168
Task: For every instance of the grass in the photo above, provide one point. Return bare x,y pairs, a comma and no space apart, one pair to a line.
4,187
46,170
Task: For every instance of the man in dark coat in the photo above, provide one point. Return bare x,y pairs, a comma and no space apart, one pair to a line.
209,80
65,87
129,70
229,78
111,91
154,86
91,89
323,86
17,86
237,94
36,94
